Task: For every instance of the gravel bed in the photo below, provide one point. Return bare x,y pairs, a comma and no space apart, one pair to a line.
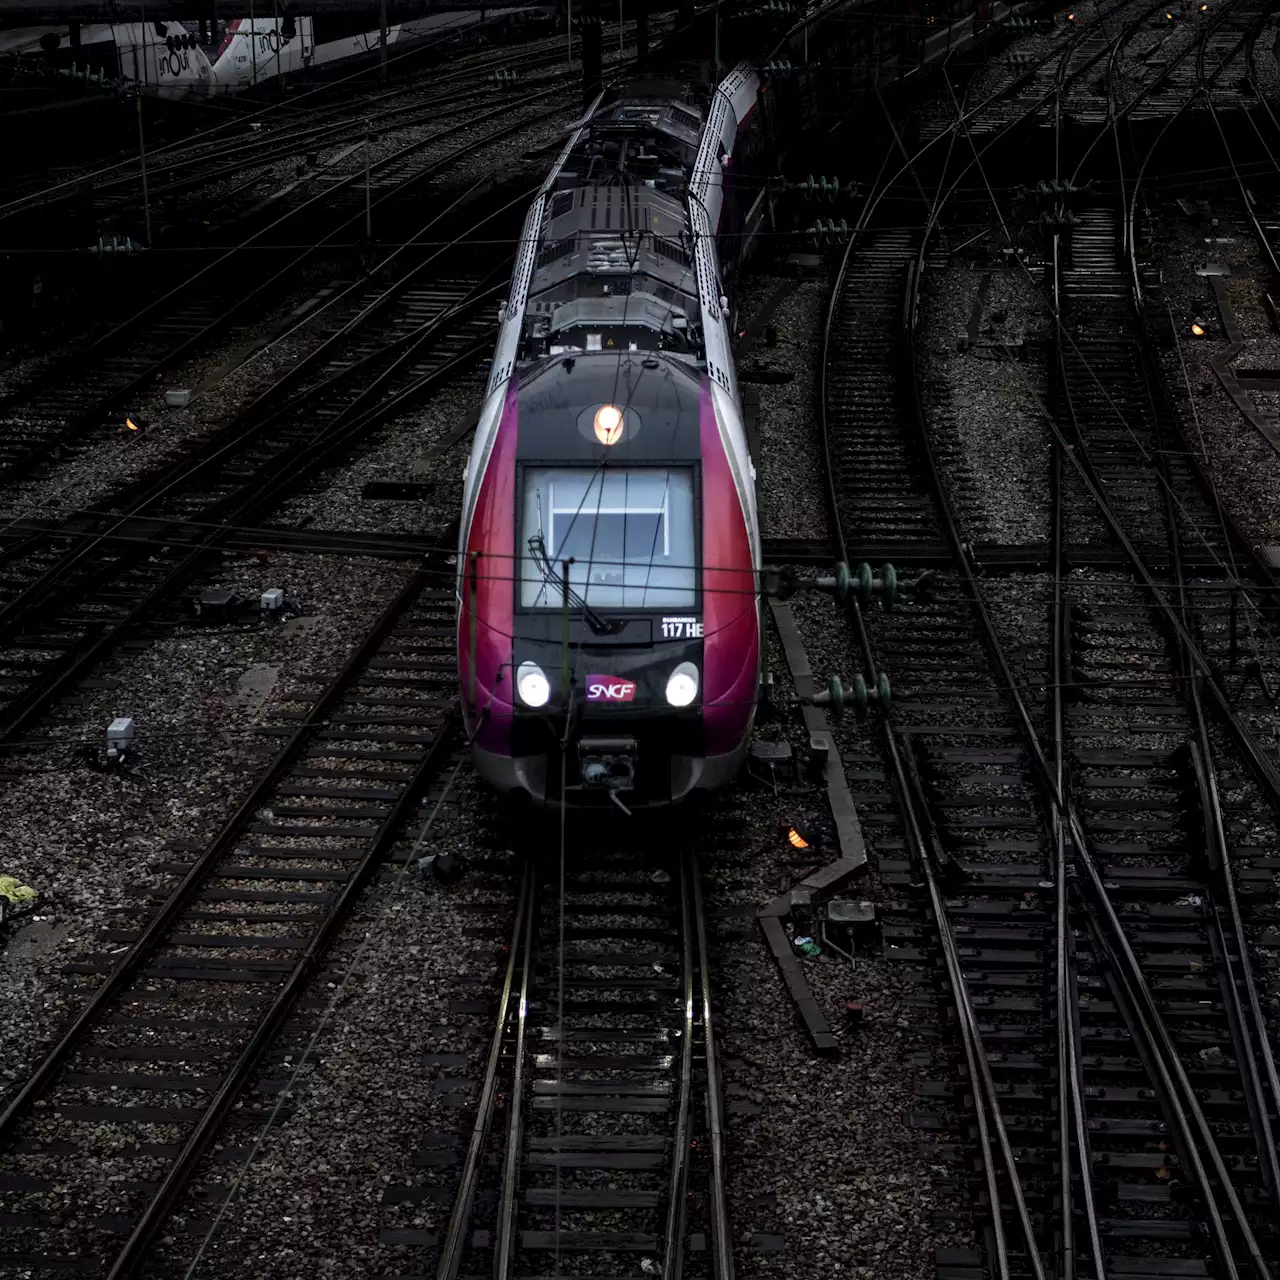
117,457
405,448
1246,468
986,410
790,466
365,1102
87,840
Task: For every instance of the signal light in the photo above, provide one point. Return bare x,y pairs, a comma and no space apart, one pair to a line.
796,838
1197,327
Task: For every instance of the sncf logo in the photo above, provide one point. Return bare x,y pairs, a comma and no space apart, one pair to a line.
610,689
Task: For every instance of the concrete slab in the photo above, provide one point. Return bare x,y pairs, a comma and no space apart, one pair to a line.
256,684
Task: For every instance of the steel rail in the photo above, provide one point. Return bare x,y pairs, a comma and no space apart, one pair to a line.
1245,198
923,839
678,1183
257,418
1123,954
1197,1139
48,195
289,472
1264,770
1075,1148
1248,1025
257,151
1219,861
1125,964
722,1265
133,1254
1249,1030
883,185
1137,1015
242,428
926,843
1203,82
504,1256
161,924
67,369
454,1244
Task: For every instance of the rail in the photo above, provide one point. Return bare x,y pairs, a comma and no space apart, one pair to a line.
1071,849
159,949
674,1104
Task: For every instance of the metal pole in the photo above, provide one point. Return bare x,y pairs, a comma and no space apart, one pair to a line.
564,632
253,44
368,191
275,13
142,153
620,27
717,39
382,36
569,32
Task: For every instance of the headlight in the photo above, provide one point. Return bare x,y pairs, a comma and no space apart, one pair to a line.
532,685
682,686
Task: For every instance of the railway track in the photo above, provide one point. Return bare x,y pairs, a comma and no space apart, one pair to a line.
72,400
114,1121
70,596
266,134
1083,837
598,1130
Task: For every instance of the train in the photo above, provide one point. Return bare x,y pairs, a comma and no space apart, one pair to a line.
173,62
161,57
609,617
255,50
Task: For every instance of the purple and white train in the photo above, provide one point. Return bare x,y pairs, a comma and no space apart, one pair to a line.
609,624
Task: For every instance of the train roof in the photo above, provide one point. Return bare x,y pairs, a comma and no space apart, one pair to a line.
615,252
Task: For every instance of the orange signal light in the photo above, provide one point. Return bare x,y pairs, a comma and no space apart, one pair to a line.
796,840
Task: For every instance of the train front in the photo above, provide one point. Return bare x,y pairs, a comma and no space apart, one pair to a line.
609,624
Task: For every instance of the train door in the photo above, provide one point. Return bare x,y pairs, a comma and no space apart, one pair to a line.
307,39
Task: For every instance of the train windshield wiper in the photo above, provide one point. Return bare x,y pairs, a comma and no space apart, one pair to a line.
538,550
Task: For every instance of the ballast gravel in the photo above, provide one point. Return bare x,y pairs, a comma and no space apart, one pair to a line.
1244,465
986,396
782,381
89,841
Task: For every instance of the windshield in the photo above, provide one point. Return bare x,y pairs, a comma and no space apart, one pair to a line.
628,530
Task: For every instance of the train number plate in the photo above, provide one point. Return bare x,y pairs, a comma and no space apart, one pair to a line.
682,628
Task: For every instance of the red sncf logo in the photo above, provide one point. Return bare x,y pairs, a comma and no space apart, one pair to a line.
610,689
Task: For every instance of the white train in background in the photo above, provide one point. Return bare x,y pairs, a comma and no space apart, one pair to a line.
254,50
161,57
171,61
